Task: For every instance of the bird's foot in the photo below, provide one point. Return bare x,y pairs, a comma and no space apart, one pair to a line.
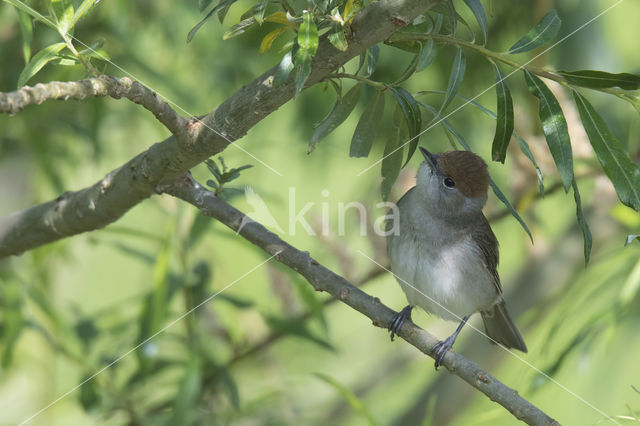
440,349
398,320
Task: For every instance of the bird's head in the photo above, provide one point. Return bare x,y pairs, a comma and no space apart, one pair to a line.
454,183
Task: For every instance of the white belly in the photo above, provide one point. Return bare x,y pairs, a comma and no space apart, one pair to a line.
438,281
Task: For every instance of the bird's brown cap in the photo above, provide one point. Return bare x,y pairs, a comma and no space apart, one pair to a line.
467,170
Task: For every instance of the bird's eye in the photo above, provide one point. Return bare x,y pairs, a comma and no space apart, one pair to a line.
448,182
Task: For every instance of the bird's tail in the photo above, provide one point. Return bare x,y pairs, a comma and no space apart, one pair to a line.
500,328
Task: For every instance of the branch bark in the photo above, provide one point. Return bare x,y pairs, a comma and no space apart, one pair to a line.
13,102
323,279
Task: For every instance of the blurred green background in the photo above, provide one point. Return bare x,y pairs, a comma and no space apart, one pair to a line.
252,355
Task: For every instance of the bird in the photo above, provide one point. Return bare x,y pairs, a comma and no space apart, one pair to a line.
444,253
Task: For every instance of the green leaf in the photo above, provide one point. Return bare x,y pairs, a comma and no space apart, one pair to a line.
20,5
367,127
504,121
466,146
427,55
239,28
84,8
393,153
63,12
89,395
601,79
38,61
284,69
26,29
373,54
341,110
455,78
355,403
615,160
337,38
478,12
586,232
295,327
222,4
203,4
301,69
543,32
308,34
512,210
413,116
554,127
631,238
524,147
188,393
11,302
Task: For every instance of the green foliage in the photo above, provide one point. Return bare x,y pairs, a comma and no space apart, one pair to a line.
542,33
505,119
223,175
249,353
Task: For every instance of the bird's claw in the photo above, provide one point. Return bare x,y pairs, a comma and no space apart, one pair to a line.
398,320
440,349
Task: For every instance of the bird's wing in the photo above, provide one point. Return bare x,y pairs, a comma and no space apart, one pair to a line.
487,243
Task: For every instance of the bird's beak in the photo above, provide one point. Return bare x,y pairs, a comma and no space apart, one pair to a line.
431,159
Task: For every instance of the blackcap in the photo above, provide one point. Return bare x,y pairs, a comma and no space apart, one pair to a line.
445,255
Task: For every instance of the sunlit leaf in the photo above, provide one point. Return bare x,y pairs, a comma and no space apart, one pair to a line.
481,17
504,121
543,32
427,55
337,38
63,12
455,78
308,34
82,10
341,110
26,29
349,397
554,127
268,40
278,18
351,8
38,61
601,79
367,127
615,160
631,286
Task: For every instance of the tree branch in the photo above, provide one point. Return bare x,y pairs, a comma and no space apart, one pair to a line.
323,279
110,198
14,102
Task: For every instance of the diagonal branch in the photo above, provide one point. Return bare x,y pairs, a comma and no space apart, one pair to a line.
121,189
323,279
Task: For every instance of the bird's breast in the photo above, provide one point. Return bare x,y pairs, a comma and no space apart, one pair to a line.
446,277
